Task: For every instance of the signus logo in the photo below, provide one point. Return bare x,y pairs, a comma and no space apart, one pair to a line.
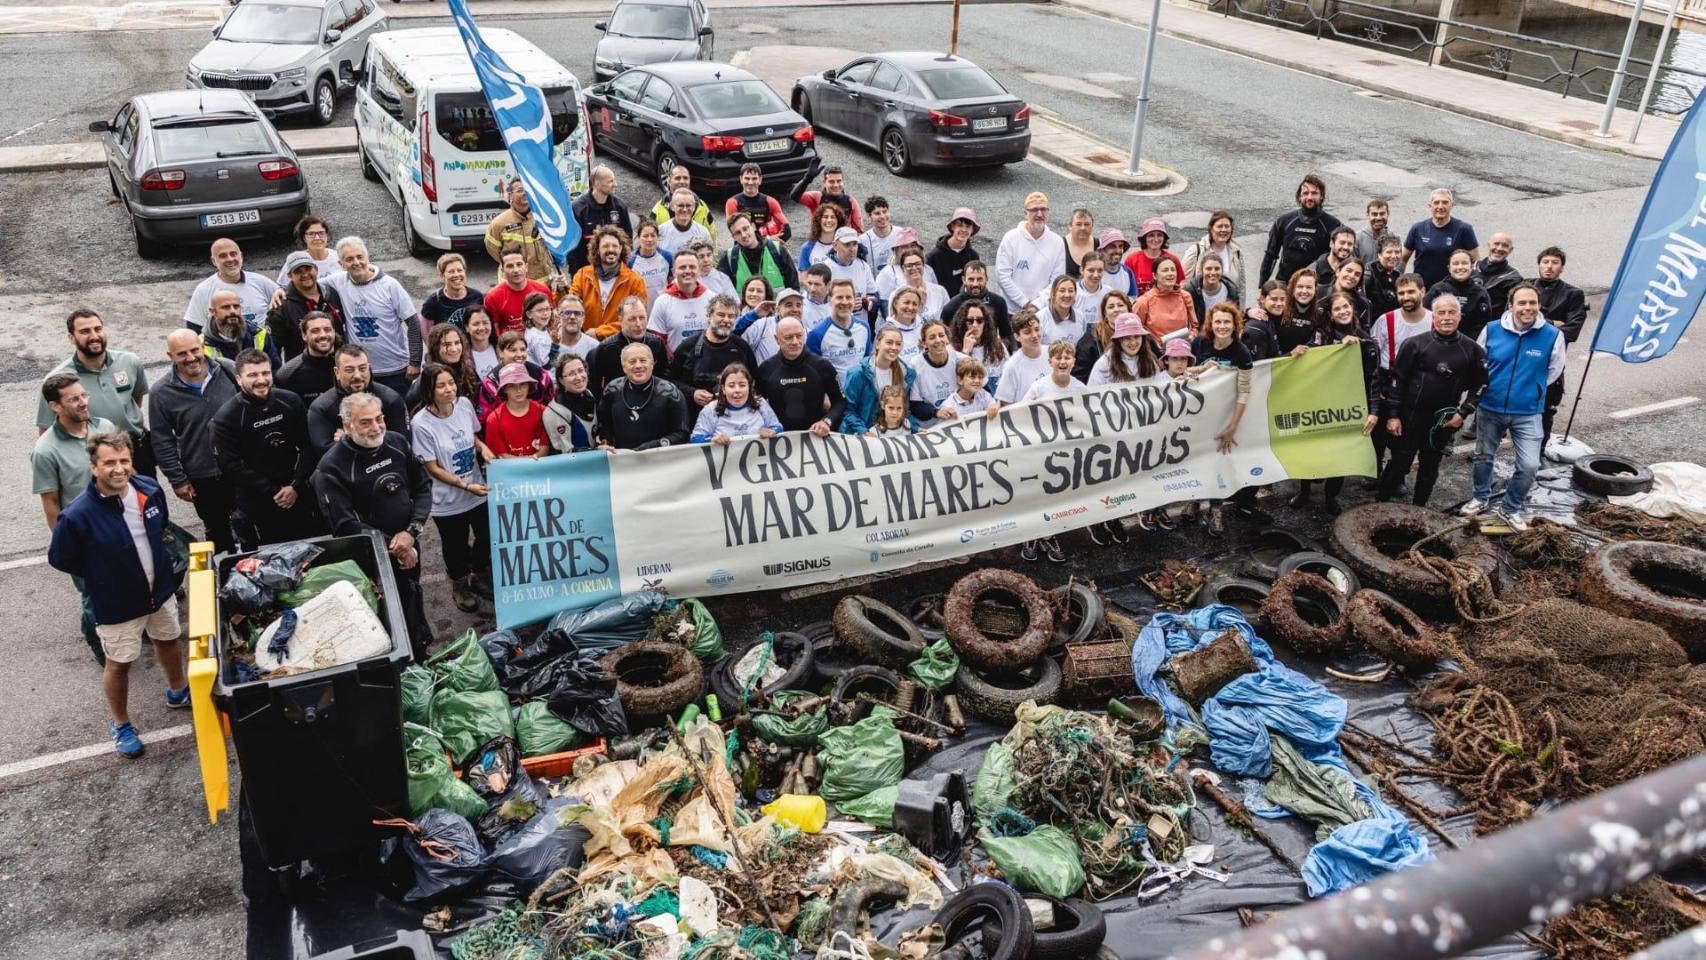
1323,417
789,567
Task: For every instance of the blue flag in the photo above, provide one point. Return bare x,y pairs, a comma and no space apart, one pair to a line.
1662,278
518,109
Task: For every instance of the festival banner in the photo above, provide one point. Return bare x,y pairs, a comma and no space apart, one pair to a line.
759,514
1662,278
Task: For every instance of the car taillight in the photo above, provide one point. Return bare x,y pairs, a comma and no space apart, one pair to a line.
1023,114
163,180
277,169
429,184
716,143
940,119
805,135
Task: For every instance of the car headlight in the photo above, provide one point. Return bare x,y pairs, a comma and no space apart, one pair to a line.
605,63
192,71
299,73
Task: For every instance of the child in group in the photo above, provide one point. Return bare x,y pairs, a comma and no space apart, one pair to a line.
1026,365
1177,361
891,413
537,323
1131,359
737,411
1221,347
969,399
516,427
1060,381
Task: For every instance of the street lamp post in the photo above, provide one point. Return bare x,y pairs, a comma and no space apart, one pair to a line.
1136,159
1653,74
1622,70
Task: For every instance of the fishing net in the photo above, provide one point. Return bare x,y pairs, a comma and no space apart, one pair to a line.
1627,523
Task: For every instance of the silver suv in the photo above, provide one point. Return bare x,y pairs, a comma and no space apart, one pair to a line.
289,56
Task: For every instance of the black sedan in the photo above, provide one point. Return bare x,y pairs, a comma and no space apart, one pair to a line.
708,117
195,165
919,109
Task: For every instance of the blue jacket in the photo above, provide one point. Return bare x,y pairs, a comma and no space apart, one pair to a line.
1520,365
861,393
92,541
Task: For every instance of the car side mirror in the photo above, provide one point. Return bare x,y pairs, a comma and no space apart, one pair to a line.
705,31
601,26
829,75
100,126
334,35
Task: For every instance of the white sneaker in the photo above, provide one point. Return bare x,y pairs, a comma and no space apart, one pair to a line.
1473,508
1514,520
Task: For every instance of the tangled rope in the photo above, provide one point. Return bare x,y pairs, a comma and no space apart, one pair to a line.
1492,757
1628,523
1546,546
1471,592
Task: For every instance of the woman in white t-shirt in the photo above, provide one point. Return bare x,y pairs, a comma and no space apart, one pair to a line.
1133,359
445,435
936,367
933,296
482,349
314,236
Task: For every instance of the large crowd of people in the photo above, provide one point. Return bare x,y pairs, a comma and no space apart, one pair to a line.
331,398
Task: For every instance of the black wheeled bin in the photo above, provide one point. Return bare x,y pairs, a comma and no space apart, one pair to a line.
321,753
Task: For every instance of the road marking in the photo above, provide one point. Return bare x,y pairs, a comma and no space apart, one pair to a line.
22,562
44,761
1659,407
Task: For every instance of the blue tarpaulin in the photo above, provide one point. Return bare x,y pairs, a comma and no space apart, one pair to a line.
1244,714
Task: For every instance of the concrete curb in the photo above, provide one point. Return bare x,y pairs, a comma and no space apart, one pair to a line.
88,155
1607,144
1151,179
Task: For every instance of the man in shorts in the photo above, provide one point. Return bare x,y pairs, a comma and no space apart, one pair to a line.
114,537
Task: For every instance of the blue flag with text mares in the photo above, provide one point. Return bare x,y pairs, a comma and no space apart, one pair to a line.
518,109
1662,278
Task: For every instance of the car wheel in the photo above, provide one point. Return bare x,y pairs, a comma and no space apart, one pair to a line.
325,101
895,157
411,239
113,184
145,248
803,105
368,170
666,161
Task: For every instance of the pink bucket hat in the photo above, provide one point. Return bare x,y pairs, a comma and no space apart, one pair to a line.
1178,348
514,373
1128,325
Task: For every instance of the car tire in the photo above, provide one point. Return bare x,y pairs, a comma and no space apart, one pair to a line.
1260,567
926,613
145,248
325,101
861,898
112,184
654,678
1078,932
368,170
411,239
1322,565
1661,583
1081,615
1393,630
880,682
665,161
998,912
1244,594
1610,475
993,697
1294,609
803,105
878,632
1374,541
896,158
978,649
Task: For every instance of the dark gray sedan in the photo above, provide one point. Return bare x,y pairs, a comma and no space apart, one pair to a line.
919,108
196,165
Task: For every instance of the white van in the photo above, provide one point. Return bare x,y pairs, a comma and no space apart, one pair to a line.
423,129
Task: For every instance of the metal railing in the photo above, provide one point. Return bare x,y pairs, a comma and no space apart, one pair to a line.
1566,68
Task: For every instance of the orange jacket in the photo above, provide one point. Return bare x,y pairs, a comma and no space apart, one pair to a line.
1163,313
603,318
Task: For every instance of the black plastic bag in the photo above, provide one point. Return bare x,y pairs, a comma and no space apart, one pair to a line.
578,690
446,853
281,567
502,647
542,847
491,769
240,594
512,798
601,629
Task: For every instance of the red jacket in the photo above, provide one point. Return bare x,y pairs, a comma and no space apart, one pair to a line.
504,305
1143,269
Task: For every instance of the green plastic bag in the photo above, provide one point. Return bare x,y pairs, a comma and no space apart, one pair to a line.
875,808
467,719
317,579
861,758
538,731
707,642
1043,861
463,667
431,781
936,666
995,782
801,731
417,694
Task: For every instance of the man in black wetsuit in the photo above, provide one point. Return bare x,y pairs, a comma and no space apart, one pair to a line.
260,438
371,480
638,410
1564,306
800,385
1434,371
1297,238
351,373
605,362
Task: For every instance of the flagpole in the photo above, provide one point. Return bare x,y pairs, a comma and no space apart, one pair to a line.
1579,387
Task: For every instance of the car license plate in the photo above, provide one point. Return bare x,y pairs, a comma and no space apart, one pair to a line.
990,123
230,219
475,218
777,145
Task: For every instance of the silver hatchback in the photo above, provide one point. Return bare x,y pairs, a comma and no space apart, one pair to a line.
195,165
